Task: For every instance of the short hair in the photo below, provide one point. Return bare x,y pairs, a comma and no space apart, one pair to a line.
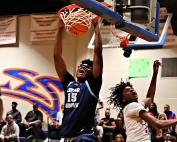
14,103
88,62
116,95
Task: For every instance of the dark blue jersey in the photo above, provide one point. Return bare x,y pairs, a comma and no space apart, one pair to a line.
80,104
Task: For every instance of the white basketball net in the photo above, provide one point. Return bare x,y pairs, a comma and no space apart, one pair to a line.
74,16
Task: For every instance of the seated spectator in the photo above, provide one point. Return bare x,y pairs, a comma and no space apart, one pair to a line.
56,126
119,138
15,113
99,132
153,112
33,118
10,132
119,129
108,125
121,115
97,111
158,137
17,117
163,116
167,131
170,115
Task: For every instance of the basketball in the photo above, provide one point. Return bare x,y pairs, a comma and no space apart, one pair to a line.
77,23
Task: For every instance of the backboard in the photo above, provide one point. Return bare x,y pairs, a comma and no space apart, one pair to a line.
109,41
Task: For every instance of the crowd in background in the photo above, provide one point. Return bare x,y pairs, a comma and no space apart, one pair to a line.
108,129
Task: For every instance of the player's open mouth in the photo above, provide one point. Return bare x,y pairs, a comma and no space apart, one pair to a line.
81,71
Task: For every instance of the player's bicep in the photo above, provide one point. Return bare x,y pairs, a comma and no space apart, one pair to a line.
60,67
148,118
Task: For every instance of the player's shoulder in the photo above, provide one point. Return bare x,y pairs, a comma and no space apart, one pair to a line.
135,105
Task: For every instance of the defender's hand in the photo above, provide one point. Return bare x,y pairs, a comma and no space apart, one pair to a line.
156,66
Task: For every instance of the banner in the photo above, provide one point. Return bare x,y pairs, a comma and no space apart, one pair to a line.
43,27
8,30
139,67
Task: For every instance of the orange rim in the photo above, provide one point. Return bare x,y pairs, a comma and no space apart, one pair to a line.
77,7
117,36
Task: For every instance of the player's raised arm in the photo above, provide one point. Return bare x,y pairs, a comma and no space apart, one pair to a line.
59,61
97,57
152,87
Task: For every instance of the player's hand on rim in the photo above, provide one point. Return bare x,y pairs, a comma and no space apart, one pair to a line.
95,20
60,23
156,66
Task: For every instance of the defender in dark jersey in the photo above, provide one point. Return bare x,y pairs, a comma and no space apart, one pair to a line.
81,95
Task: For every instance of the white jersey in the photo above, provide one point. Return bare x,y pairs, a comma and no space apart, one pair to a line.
136,128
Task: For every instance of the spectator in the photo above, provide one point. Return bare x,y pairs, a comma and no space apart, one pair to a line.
119,129
55,127
163,116
170,115
108,125
121,115
10,132
158,137
33,118
99,132
97,112
153,112
168,133
119,138
17,117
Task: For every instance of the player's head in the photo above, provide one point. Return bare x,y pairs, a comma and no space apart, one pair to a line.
84,70
122,94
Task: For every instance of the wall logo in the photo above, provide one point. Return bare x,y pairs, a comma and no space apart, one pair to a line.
28,90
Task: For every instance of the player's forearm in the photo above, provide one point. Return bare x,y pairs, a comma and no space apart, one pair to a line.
164,124
152,87
97,41
58,44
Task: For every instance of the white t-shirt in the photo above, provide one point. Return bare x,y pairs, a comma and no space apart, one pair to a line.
136,128
99,130
59,116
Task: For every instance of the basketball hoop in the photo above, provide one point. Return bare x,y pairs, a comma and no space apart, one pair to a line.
76,19
123,39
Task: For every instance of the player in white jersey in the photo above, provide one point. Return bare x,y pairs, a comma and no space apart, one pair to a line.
123,96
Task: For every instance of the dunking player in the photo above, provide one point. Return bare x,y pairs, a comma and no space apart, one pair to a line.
81,96
124,96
